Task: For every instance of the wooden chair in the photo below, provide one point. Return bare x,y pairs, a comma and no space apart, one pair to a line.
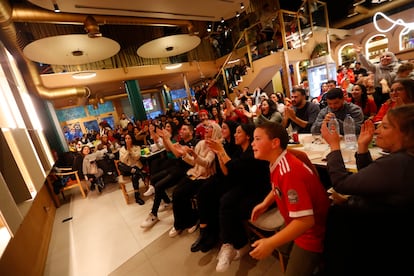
272,221
126,180
73,182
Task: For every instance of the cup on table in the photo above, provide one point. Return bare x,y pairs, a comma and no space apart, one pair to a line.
307,141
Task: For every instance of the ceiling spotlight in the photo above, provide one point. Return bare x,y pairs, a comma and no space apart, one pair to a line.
56,7
91,27
241,5
237,14
222,20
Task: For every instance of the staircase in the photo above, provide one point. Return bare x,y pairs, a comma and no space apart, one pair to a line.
265,68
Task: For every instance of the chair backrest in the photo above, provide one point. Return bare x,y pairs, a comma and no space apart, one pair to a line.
302,156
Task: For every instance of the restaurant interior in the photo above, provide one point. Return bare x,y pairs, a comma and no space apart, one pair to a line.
71,64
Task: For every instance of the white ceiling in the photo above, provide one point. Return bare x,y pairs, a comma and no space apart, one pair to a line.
203,10
191,10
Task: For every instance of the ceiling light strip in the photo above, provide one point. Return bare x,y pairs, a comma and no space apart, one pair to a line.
142,11
173,66
84,75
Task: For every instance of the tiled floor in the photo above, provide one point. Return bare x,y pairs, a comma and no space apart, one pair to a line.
104,238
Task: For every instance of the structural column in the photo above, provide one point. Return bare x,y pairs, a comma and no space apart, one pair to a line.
135,99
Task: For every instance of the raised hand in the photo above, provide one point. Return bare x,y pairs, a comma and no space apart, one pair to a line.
365,136
214,145
331,137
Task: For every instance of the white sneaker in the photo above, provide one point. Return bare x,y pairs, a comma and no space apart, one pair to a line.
192,229
150,191
164,207
150,221
226,255
173,232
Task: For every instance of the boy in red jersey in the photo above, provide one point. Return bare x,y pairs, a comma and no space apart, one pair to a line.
300,197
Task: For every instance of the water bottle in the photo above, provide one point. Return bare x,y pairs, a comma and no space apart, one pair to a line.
333,124
349,132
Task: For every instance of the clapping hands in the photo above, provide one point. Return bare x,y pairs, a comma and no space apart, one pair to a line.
214,145
365,136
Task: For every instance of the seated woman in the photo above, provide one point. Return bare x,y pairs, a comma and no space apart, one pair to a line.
90,169
208,198
374,221
247,183
360,97
130,164
105,159
202,160
231,113
402,92
267,112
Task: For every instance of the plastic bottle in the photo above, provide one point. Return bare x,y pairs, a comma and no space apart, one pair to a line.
349,132
333,124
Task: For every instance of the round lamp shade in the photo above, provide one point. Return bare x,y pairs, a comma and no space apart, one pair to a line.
71,49
168,46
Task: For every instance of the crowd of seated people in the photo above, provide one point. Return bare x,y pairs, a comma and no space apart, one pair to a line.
211,161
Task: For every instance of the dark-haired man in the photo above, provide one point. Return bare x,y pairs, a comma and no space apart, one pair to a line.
300,114
339,108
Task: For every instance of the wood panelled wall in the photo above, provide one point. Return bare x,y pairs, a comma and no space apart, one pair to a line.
26,252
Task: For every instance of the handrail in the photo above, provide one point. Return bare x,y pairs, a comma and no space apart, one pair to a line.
243,34
279,15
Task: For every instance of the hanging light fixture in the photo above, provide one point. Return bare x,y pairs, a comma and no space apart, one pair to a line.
222,20
237,14
241,5
91,27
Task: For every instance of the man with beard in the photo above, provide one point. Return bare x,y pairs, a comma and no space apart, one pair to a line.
299,113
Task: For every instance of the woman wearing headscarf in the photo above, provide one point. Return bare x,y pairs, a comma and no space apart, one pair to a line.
202,160
384,73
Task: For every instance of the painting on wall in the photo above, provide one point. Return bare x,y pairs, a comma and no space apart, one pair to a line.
91,126
72,131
